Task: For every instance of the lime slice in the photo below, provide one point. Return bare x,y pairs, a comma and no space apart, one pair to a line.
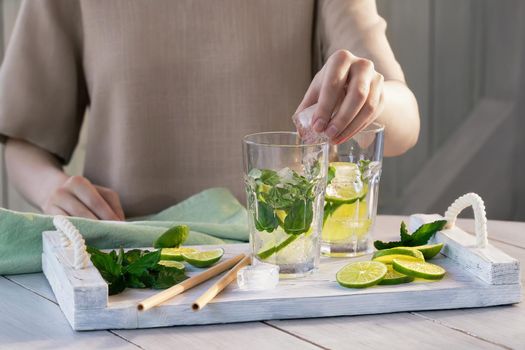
346,186
393,277
173,237
203,259
361,274
270,249
387,259
399,251
429,250
173,264
175,253
419,269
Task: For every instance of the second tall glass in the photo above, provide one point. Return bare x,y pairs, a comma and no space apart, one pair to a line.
351,194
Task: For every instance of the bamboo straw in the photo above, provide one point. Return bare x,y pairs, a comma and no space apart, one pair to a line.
177,289
219,285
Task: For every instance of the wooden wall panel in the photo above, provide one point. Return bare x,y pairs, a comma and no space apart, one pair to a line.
411,41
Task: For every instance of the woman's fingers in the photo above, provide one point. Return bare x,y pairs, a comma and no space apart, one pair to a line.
368,113
65,201
113,199
312,94
335,77
361,76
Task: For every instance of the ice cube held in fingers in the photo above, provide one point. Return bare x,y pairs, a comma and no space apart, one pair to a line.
303,121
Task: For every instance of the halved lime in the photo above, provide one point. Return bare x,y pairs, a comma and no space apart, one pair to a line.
361,274
173,264
419,269
270,249
347,185
173,237
175,253
399,251
394,277
203,259
429,250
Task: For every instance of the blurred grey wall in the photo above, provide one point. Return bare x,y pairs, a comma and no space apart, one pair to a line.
463,59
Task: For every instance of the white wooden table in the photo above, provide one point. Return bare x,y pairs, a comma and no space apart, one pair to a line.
31,319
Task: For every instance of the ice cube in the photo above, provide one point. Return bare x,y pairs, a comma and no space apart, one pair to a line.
303,124
260,276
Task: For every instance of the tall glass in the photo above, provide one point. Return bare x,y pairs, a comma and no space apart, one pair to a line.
351,194
285,182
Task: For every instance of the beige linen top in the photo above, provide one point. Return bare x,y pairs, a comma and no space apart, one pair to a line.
171,87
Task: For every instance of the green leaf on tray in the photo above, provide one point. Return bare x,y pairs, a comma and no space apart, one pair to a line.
144,263
135,268
420,237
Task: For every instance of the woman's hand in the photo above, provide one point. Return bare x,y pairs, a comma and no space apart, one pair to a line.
77,196
349,96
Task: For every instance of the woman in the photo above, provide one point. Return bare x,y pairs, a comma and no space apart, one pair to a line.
170,88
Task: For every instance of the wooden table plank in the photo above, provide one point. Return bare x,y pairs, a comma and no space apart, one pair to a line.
388,331
242,336
503,325
31,322
35,282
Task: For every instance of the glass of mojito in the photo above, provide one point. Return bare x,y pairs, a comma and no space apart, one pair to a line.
351,194
285,181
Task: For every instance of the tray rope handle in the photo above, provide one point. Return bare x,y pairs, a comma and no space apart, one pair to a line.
71,236
480,216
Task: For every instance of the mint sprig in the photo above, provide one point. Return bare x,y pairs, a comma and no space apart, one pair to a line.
420,237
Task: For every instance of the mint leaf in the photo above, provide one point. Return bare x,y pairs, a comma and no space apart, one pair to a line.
405,236
167,277
265,219
426,231
145,262
419,237
110,270
299,217
331,174
269,177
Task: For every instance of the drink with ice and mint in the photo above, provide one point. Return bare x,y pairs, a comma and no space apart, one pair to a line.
352,194
285,181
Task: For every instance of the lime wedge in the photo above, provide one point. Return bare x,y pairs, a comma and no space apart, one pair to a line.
203,259
348,220
429,250
270,249
399,251
419,269
393,277
173,237
347,186
172,264
361,274
175,253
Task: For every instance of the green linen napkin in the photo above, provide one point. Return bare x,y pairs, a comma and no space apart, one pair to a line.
214,217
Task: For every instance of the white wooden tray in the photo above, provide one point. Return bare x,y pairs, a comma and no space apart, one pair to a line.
475,278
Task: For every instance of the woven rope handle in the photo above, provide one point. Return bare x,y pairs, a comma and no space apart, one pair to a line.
71,236
480,215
